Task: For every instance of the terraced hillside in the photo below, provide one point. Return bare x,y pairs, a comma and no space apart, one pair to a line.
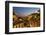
32,20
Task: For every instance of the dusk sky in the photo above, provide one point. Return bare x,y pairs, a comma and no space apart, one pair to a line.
24,11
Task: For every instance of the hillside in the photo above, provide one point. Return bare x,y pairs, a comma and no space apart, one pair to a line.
32,20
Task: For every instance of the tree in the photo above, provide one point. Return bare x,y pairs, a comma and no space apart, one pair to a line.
39,10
